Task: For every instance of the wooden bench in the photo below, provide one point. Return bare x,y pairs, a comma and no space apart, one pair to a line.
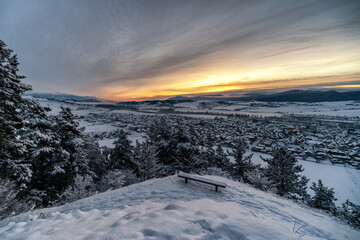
203,180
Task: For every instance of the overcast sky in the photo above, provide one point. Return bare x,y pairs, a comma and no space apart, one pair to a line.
134,49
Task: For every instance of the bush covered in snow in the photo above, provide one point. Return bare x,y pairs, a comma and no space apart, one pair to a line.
350,212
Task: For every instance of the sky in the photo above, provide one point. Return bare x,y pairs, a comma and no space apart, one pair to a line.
156,49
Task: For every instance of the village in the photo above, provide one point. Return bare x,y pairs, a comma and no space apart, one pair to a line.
327,140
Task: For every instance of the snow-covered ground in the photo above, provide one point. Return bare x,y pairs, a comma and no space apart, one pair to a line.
77,109
343,108
168,208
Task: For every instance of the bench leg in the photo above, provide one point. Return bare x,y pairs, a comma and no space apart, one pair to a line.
216,188
186,180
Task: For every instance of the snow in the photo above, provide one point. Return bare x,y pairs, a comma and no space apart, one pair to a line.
135,136
77,109
107,142
99,128
343,108
168,208
344,180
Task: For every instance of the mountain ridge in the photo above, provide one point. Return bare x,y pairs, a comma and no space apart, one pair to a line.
65,97
288,96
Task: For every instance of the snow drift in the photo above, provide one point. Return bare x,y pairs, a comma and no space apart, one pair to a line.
168,208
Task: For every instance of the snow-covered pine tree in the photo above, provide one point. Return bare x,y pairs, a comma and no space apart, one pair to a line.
161,134
146,161
10,203
282,171
160,130
242,163
323,197
81,188
187,156
195,136
350,212
8,192
112,179
12,146
120,157
95,157
221,160
46,156
71,144
209,154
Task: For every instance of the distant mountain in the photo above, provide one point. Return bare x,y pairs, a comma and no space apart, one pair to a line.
291,96
178,98
310,96
64,97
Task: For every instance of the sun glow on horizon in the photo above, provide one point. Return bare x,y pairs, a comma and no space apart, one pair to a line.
212,84
298,69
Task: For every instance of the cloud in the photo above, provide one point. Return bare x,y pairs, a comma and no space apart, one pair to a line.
84,46
301,83
260,30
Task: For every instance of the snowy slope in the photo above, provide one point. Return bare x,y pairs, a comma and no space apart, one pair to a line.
344,180
168,208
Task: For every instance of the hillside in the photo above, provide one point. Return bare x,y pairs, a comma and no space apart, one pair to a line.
167,208
64,97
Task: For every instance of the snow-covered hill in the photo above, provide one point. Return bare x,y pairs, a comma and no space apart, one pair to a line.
168,208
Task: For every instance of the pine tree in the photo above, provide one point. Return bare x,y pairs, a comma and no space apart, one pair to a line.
323,197
282,172
221,160
95,158
81,188
8,192
160,130
120,157
112,179
71,159
163,135
46,156
188,155
12,146
242,163
146,161
350,212
194,135
209,154
11,105
187,158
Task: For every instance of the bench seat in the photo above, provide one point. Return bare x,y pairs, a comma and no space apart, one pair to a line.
203,180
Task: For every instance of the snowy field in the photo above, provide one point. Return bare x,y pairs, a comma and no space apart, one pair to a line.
168,208
344,180
341,109
344,108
